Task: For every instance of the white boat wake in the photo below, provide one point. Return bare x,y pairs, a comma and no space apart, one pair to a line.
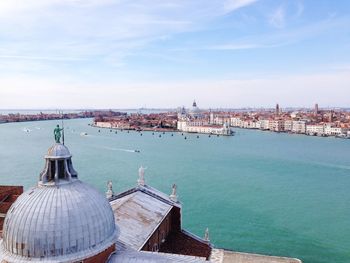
119,149
26,130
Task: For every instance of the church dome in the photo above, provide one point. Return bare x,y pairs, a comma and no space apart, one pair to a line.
60,220
58,150
195,111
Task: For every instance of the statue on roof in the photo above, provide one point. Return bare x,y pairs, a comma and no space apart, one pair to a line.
109,192
206,235
141,180
173,195
57,133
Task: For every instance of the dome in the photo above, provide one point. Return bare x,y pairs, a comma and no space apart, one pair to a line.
195,111
58,150
60,220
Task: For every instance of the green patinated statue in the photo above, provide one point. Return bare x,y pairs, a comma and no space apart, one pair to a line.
57,133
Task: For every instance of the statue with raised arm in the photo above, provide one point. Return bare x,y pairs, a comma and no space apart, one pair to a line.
57,134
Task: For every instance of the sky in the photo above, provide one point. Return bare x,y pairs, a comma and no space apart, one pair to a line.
166,53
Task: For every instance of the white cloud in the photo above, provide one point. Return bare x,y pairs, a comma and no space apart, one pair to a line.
234,46
232,5
277,18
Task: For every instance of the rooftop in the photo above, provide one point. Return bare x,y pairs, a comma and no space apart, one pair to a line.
138,214
225,256
124,255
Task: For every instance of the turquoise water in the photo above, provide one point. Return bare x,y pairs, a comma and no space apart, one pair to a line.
260,192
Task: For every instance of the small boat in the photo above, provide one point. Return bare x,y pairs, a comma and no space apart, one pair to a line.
83,134
137,151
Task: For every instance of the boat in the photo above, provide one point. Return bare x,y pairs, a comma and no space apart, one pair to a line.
341,136
83,134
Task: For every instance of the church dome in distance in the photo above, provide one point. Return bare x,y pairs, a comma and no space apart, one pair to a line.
60,220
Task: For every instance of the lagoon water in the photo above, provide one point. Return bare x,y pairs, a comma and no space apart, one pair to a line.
259,192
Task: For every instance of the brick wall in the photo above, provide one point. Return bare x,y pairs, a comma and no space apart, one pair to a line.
171,223
101,257
8,195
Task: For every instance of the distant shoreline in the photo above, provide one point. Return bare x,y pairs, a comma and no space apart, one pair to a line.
23,121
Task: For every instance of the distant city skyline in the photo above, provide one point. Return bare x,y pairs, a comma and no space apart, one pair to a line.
165,53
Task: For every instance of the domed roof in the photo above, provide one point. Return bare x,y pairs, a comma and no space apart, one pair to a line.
62,220
195,110
58,150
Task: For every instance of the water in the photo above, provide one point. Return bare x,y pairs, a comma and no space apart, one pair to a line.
260,192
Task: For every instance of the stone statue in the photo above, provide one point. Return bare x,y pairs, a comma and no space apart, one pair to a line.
173,195
141,180
57,133
109,192
206,235
174,189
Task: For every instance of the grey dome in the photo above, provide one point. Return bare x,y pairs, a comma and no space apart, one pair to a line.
58,150
64,221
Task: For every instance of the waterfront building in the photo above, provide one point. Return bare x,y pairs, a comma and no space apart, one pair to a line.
314,129
276,125
194,127
296,121
220,119
331,130
257,124
236,122
288,125
196,122
264,124
299,127
112,125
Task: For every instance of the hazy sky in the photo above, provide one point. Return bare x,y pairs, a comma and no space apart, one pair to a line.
165,53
